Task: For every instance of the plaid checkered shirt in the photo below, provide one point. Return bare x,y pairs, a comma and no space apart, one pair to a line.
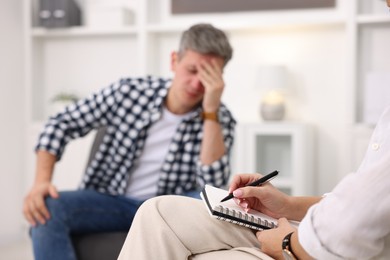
127,109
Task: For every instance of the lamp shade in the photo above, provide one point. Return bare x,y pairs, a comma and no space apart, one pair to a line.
272,77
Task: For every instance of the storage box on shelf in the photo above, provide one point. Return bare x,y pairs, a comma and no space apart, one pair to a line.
59,13
98,13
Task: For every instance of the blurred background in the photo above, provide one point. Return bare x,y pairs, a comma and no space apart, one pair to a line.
306,83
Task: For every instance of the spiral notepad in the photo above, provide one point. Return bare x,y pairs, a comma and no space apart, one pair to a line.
231,212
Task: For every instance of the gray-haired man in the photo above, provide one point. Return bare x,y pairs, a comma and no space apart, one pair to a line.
162,137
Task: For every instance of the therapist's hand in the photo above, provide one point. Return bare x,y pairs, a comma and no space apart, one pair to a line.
271,240
265,198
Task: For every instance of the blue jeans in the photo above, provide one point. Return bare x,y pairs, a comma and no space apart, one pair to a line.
80,212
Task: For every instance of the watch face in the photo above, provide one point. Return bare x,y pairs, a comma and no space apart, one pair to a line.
288,255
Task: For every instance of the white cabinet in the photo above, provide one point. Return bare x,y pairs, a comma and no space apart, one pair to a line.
286,147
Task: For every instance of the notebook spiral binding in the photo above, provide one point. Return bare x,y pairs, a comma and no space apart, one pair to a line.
247,219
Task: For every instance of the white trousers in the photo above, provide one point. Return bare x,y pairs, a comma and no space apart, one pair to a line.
177,227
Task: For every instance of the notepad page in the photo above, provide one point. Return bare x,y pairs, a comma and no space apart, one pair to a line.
215,195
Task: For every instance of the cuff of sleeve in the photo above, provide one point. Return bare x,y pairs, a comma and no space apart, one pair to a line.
309,240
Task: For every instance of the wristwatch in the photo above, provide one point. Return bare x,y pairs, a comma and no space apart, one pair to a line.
286,248
210,116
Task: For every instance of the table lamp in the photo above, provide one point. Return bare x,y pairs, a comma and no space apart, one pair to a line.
273,80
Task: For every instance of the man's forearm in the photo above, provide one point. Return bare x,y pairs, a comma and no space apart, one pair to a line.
213,146
44,166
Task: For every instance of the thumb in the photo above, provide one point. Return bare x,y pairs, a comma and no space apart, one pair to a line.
282,221
53,192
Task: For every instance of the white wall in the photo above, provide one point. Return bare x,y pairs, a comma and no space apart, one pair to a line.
12,133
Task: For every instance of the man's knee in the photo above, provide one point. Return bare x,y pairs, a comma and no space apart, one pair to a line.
57,216
55,207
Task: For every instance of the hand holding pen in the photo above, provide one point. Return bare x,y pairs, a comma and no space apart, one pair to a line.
258,182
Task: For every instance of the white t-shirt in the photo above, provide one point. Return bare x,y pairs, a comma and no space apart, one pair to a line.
143,181
353,221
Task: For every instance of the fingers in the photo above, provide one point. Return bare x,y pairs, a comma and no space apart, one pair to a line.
246,197
271,239
205,74
34,208
40,211
35,211
283,222
248,192
241,180
28,215
53,192
210,75
243,203
210,69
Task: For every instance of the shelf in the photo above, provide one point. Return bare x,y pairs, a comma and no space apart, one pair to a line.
166,28
373,19
236,23
83,31
245,27
361,125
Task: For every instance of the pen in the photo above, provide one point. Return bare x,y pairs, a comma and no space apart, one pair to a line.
259,182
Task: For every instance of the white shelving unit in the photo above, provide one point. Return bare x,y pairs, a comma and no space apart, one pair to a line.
153,22
368,26
286,147
370,29
49,51
84,59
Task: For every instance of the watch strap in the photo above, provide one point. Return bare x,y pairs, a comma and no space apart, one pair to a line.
286,245
210,116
